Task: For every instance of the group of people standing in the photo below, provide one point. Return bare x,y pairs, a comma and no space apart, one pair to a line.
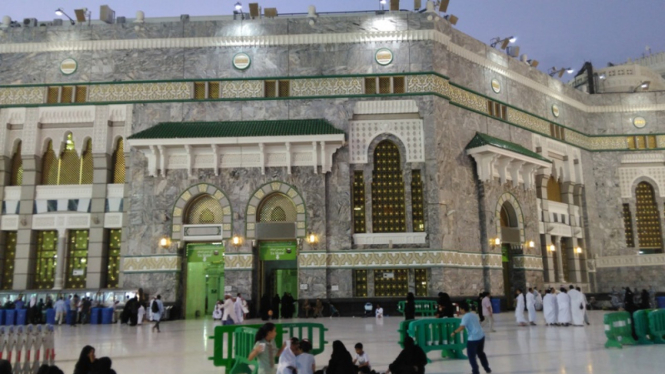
232,311
562,308
35,309
273,308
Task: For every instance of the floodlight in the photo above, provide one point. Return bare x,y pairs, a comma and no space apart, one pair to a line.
238,7
254,10
60,12
452,19
394,5
504,42
644,86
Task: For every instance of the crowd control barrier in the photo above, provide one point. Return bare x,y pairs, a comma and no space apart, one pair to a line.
225,343
618,329
423,307
244,337
27,347
641,320
657,326
433,334
403,330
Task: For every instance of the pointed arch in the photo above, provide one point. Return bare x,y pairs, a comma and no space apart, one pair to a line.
518,216
49,166
70,163
647,217
183,205
119,162
266,191
554,189
16,178
388,201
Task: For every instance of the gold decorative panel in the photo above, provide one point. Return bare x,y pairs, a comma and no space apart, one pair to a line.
421,277
383,259
47,244
22,95
119,163
139,92
648,218
358,202
360,281
388,209
553,189
10,256
81,94
50,166
326,87
628,226
151,264
66,94
204,210
417,202
77,259
69,165
391,282
277,208
242,89
113,263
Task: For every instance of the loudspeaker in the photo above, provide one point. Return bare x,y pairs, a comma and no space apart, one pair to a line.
394,5
254,10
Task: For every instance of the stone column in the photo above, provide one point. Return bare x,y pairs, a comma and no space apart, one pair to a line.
370,282
61,260
368,177
26,246
548,259
560,276
98,238
5,174
575,275
124,237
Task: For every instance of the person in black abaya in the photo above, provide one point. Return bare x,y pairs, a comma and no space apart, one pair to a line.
275,306
410,307
285,306
411,360
644,301
445,306
628,302
134,312
264,307
340,360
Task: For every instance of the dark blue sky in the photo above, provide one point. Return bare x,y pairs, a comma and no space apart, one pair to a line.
559,33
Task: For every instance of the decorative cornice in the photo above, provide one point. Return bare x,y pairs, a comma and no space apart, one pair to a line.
238,261
630,261
528,262
314,39
387,259
386,107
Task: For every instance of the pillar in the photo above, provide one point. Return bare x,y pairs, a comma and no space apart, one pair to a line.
98,237
560,277
5,172
546,239
61,263
124,241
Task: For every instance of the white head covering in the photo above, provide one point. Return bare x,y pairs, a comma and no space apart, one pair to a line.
33,301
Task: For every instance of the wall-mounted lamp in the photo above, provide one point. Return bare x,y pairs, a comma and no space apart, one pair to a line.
495,242
311,238
644,86
578,250
552,248
165,242
236,241
531,244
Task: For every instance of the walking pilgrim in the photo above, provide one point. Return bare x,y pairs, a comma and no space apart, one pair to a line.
519,308
563,301
531,307
578,306
550,307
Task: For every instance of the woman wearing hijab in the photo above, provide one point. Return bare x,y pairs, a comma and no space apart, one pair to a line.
275,306
628,303
445,306
86,361
265,307
411,360
410,307
644,300
340,360
103,366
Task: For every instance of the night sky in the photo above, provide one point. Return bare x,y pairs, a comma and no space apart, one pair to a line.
561,33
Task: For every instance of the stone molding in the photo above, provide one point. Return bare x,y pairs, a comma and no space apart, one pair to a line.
388,259
409,131
60,221
82,191
9,223
12,193
627,261
644,158
115,190
386,107
189,195
396,238
311,39
149,264
113,220
493,162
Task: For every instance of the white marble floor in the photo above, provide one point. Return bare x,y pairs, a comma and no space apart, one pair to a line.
183,347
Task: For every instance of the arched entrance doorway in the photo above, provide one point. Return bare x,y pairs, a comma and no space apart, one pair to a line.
510,238
276,219
205,260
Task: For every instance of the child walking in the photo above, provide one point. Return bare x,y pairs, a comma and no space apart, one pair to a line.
265,349
475,344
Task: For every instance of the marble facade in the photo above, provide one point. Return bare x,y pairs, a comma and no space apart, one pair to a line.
151,69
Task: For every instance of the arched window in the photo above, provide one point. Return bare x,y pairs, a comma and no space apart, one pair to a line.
508,218
205,210
554,189
49,166
17,167
648,221
387,189
70,164
119,163
277,208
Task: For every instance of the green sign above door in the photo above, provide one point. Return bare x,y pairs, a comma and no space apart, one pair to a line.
278,250
205,253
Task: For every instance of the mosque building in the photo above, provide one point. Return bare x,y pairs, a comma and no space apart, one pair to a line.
347,157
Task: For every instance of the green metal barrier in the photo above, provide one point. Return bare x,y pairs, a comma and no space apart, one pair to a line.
224,353
244,338
641,320
403,330
433,334
657,326
423,307
618,330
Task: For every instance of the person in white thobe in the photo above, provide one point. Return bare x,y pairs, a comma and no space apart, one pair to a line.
287,360
238,307
519,308
141,314
577,306
563,302
550,307
229,317
586,315
531,306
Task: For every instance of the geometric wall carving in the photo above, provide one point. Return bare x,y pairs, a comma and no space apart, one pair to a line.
408,131
379,259
267,189
168,263
190,195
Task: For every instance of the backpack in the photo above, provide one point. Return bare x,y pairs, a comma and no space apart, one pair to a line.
155,307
